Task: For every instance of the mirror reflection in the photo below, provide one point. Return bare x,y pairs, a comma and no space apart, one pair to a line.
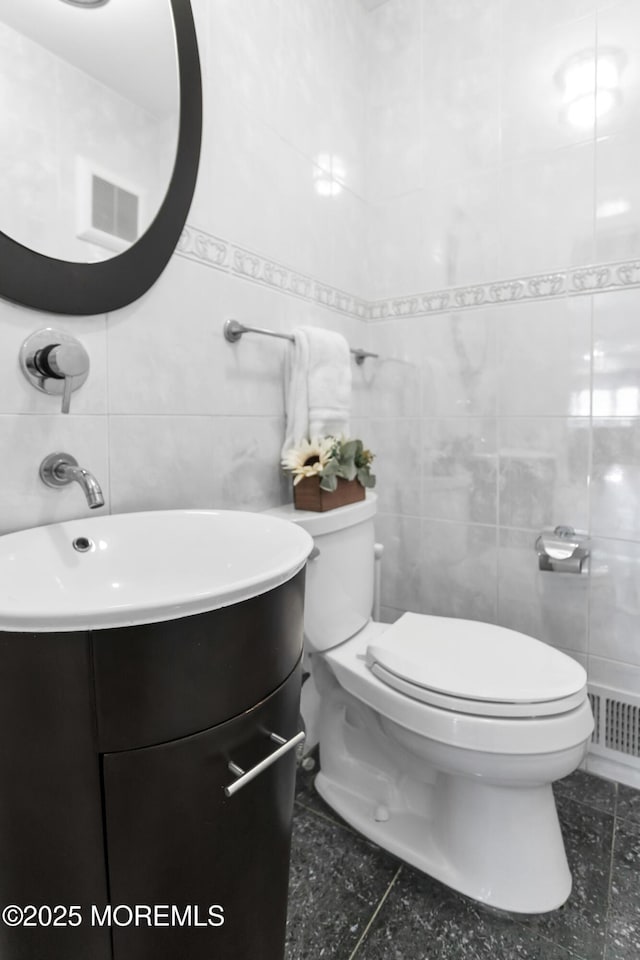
89,97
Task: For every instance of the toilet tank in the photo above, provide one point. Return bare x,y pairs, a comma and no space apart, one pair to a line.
340,576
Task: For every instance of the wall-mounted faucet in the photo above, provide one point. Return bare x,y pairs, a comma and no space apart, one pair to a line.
55,363
60,469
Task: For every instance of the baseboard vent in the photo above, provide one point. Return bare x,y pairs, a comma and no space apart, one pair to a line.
594,700
617,725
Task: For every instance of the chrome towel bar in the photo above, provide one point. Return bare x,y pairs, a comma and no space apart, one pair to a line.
233,330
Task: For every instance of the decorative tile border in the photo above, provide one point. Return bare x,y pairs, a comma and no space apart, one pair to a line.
595,278
461,298
605,276
223,255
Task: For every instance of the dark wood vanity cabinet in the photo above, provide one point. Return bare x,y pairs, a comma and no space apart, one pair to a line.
114,754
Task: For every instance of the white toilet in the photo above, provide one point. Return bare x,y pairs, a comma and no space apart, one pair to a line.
439,738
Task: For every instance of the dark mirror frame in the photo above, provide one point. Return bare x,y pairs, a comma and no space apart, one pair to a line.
60,286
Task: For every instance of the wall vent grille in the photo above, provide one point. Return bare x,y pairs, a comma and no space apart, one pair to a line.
114,210
109,210
616,734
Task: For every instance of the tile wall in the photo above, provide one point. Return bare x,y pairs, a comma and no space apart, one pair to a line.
511,375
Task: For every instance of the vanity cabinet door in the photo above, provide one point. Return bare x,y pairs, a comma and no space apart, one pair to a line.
175,839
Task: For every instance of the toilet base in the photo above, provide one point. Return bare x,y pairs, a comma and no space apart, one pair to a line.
499,845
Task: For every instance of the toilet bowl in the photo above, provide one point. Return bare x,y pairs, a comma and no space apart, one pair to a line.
439,738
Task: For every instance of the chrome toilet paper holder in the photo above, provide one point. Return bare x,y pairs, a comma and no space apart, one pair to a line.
562,549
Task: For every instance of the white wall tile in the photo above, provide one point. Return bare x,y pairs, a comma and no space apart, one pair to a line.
392,383
396,247
247,462
458,354
458,570
544,358
615,601
544,471
244,54
394,146
307,32
24,442
348,237
396,444
615,673
520,18
461,231
162,462
615,483
616,355
546,209
401,572
459,458
617,197
460,105
349,72
394,152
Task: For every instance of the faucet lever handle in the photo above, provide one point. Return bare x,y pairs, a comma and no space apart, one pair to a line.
63,361
66,394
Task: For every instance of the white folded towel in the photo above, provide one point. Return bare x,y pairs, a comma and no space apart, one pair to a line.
318,392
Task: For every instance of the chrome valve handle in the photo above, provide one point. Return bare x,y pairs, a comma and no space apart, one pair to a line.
55,363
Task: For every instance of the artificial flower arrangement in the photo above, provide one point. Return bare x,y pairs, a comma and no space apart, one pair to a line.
329,472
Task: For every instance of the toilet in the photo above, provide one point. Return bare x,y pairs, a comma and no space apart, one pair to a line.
439,738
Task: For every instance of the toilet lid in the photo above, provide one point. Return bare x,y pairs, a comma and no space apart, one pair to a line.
437,659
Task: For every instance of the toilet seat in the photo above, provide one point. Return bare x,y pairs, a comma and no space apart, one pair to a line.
475,668
490,734
479,708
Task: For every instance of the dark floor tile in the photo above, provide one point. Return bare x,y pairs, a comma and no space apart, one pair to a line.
628,803
423,920
580,925
585,788
337,879
623,935
438,924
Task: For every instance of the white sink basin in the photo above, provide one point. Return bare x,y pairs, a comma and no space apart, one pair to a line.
142,567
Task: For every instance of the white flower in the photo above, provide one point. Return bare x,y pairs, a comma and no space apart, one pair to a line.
308,459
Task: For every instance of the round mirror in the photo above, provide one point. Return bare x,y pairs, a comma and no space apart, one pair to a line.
101,106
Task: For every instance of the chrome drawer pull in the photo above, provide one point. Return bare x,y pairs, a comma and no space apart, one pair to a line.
244,778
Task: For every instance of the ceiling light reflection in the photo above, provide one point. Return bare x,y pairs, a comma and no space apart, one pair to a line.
590,85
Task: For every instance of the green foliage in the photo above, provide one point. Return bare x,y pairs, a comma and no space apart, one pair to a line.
350,460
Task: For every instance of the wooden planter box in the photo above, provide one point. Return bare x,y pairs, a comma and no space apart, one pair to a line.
307,494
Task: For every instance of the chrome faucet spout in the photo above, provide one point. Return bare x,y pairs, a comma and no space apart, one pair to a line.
60,469
90,486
